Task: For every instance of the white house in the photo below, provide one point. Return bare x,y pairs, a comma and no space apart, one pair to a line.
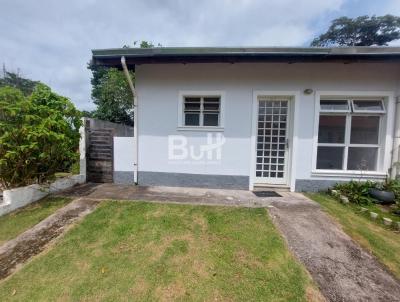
296,118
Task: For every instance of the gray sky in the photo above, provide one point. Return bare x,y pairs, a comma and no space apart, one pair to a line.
50,40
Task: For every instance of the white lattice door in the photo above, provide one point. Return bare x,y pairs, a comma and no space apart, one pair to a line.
272,140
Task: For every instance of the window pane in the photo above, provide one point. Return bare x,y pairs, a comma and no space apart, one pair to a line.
330,158
192,119
366,105
192,104
334,105
364,130
192,99
211,103
360,158
331,129
210,119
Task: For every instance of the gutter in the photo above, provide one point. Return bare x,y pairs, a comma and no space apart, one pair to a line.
135,118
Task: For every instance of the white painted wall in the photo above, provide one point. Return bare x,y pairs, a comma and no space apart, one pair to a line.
158,87
124,154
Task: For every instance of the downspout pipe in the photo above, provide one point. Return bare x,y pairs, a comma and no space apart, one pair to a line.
135,118
395,168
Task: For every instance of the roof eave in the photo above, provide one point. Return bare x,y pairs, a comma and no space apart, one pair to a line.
111,57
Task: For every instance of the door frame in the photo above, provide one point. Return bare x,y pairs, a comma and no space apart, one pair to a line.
292,134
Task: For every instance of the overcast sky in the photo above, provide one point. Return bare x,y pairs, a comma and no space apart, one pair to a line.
51,40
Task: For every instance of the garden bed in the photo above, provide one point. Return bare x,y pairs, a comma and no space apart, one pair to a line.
364,197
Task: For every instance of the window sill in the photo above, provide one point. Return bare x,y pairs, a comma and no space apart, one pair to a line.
348,174
202,129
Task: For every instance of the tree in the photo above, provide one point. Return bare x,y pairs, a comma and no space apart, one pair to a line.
39,135
113,97
111,93
87,113
14,79
360,31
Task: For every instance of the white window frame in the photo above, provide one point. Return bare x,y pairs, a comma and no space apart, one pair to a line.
200,94
386,127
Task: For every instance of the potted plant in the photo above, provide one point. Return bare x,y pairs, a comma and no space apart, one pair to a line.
385,193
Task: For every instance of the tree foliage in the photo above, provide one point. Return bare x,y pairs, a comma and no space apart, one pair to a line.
39,135
111,93
360,31
14,79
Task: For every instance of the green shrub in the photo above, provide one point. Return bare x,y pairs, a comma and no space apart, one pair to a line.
39,135
393,185
356,191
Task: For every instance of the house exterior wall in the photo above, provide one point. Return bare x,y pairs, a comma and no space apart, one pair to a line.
159,86
124,161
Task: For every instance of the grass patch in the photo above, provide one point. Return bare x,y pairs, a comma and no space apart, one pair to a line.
127,251
15,223
380,241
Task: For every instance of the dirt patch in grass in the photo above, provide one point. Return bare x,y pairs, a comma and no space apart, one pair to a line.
314,295
140,288
246,259
146,251
170,292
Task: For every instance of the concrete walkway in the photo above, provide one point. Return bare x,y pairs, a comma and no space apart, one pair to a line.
17,251
343,270
179,195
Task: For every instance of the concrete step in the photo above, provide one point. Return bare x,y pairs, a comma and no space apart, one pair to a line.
100,169
99,157
100,147
104,130
100,142
268,187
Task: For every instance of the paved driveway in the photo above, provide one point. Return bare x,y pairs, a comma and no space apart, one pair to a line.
341,268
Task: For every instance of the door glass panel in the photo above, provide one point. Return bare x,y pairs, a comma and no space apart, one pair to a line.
271,139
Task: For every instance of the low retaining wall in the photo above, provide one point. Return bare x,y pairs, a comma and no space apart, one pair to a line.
19,197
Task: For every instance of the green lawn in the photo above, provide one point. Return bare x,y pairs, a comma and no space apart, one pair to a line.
136,251
380,241
20,220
